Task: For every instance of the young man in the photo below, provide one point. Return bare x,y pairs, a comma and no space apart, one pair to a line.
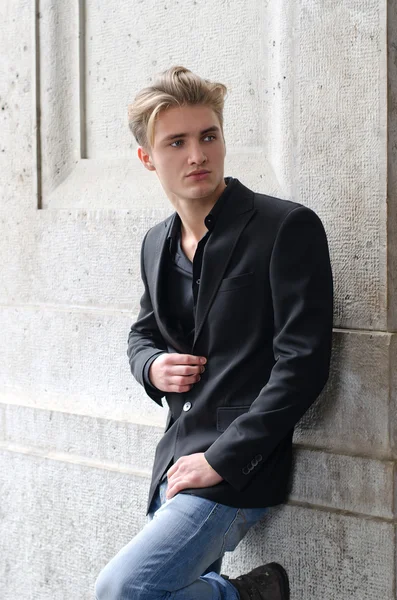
235,331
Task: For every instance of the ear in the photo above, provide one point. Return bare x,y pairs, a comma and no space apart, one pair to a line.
145,159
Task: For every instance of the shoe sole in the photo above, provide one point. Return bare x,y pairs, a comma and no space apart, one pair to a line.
284,580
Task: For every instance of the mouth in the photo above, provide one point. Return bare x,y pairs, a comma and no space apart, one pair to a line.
198,174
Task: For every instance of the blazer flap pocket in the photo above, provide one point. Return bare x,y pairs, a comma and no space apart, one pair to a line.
238,281
227,414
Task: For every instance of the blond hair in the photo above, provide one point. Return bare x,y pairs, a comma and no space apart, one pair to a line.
175,87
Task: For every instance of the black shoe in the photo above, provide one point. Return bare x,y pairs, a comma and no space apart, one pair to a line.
269,582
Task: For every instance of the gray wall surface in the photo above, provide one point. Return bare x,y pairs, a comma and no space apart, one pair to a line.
311,115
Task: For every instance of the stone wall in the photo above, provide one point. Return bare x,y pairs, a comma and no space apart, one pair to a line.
311,116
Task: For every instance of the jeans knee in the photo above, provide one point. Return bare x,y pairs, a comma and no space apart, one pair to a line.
109,587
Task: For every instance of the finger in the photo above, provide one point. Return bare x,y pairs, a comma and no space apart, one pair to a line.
173,469
176,486
179,389
186,370
180,380
185,359
179,483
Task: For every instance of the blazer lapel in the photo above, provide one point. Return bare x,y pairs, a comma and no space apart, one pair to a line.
232,220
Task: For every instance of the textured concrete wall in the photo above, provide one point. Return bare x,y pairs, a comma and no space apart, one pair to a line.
311,115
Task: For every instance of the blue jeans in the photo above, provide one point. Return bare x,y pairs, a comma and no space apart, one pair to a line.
178,554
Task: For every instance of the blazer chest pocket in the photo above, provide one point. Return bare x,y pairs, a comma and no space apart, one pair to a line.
236,282
227,414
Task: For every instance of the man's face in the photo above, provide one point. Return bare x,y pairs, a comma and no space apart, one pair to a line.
188,152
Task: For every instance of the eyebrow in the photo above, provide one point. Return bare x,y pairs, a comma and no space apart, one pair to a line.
174,136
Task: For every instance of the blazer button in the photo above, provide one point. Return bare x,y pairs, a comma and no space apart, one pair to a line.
187,406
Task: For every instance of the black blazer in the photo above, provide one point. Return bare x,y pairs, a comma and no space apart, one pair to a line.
264,322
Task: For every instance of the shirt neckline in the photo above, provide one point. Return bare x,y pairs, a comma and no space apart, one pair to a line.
209,221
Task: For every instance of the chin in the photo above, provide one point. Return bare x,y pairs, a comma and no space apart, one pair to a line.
202,192
202,188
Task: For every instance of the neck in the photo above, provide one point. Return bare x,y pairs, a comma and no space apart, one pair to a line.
192,213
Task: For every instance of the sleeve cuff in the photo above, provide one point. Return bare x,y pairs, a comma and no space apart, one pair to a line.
150,389
237,480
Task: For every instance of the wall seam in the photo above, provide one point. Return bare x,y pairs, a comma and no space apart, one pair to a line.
37,107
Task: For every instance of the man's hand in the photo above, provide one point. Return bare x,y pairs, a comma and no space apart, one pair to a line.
176,372
191,471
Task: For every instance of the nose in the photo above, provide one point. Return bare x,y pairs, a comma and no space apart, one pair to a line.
196,154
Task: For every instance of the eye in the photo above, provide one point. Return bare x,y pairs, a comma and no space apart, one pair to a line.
178,142
210,137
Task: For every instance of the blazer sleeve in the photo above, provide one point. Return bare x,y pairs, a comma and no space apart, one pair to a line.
302,294
145,341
